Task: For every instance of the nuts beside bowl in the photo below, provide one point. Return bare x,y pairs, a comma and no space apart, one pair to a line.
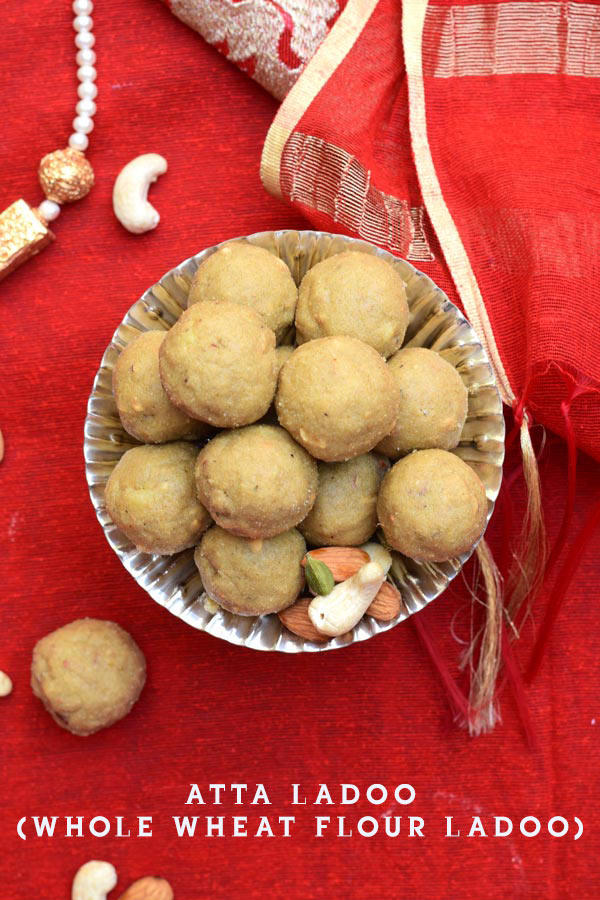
149,888
130,192
94,880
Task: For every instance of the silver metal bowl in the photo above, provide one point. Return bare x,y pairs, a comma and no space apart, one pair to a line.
173,581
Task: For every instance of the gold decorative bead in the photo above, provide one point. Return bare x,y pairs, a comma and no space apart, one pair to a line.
65,175
22,235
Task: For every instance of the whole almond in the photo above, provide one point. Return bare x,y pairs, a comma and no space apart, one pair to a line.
149,888
344,562
387,603
295,618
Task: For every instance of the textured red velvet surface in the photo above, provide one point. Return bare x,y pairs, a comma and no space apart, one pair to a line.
212,712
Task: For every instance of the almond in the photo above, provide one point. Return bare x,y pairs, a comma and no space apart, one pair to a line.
387,603
295,618
344,562
149,888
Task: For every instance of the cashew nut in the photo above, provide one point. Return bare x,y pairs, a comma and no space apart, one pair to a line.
340,610
130,192
94,881
378,554
6,685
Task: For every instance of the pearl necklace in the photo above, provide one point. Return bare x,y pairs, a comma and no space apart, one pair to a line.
65,175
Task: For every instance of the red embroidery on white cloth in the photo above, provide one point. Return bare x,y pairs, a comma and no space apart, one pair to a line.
328,179
512,38
252,31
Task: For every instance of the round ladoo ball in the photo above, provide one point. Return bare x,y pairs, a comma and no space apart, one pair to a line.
256,481
243,273
432,405
336,397
144,407
251,578
345,511
88,674
151,497
355,294
432,506
218,363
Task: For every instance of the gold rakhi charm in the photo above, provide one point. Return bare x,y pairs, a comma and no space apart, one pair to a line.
22,235
65,176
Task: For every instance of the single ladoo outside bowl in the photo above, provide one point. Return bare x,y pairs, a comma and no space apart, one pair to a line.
173,581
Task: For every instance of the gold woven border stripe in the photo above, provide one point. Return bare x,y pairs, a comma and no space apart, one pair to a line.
328,57
327,178
512,38
413,20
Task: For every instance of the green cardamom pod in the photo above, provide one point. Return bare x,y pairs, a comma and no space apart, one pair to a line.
318,576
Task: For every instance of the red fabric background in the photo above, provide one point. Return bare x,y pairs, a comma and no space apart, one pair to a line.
212,712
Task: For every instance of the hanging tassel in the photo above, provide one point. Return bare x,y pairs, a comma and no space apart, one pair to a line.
490,647
458,702
484,713
527,572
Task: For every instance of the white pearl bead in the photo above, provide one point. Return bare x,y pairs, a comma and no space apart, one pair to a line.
87,90
83,23
78,141
83,124
49,210
84,39
86,73
83,7
86,107
86,57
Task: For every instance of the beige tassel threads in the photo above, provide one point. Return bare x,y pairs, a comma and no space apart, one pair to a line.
484,673
527,573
